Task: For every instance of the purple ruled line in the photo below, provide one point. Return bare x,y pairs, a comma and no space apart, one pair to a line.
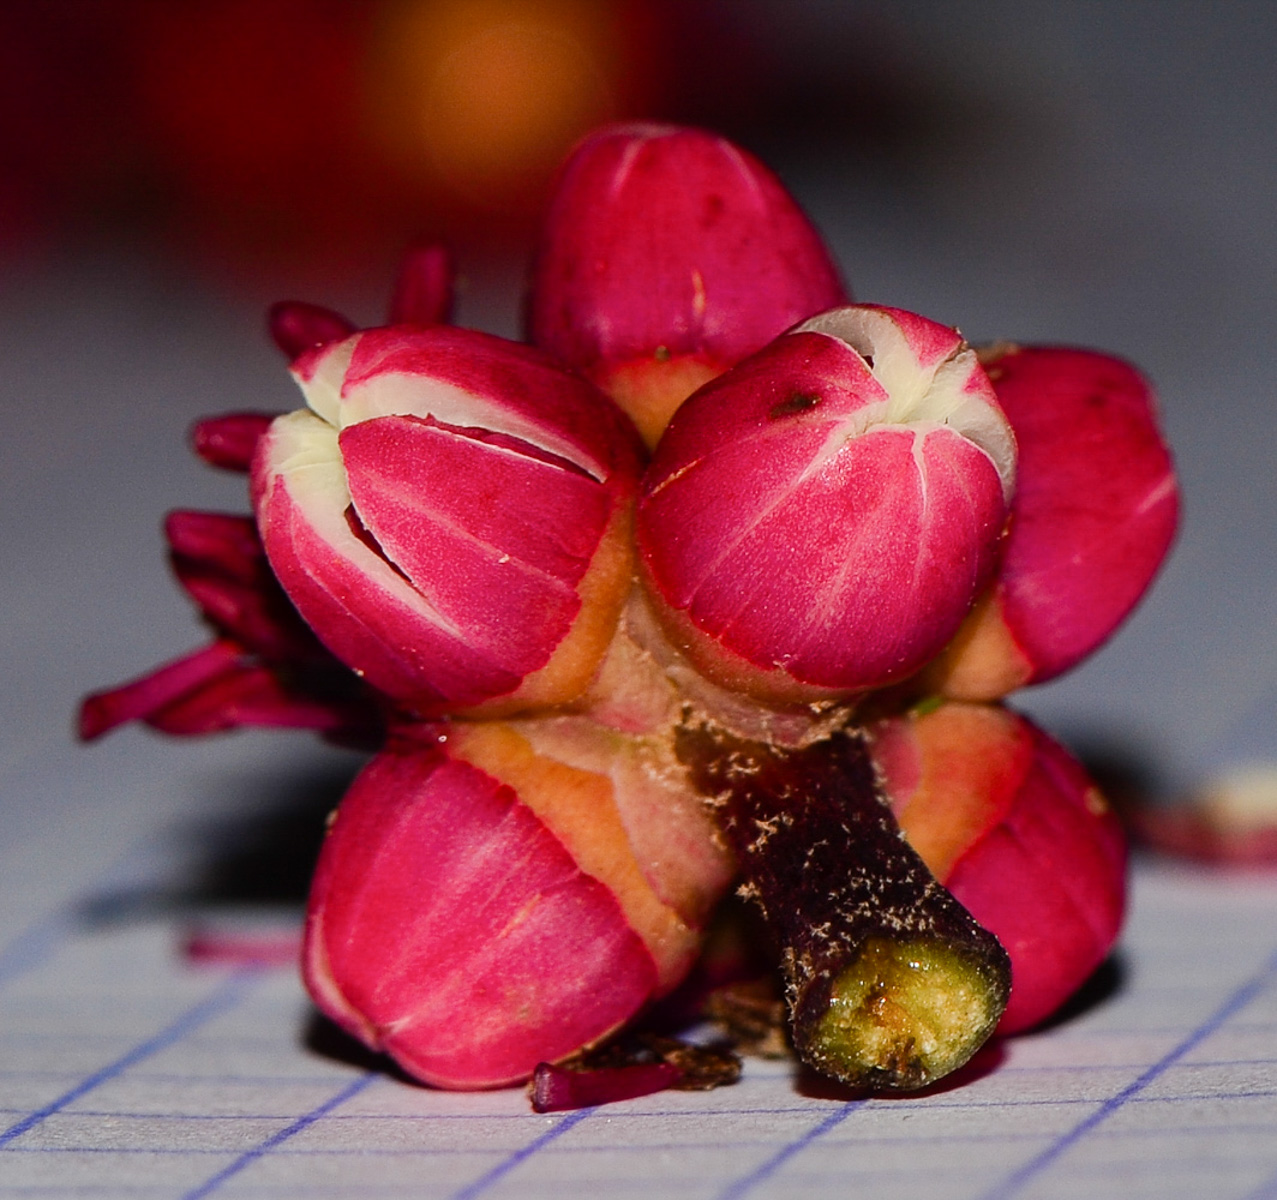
34,945
1238,1000
353,1088
1266,1190
506,1165
225,997
765,1170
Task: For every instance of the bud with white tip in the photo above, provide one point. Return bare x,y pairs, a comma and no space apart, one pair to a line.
818,521
451,515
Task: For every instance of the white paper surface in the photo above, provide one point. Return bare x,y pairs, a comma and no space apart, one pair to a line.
127,1072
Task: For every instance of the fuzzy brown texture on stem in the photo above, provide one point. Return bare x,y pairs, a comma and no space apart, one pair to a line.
890,983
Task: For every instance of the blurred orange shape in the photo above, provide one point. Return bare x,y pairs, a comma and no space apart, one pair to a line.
486,95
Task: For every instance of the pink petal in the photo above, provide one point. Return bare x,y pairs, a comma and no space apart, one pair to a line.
101,712
528,393
230,441
375,623
424,289
253,695
1096,506
296,326
558,1089
223,542
449,928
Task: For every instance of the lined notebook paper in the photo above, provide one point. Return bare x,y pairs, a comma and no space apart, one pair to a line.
126,1071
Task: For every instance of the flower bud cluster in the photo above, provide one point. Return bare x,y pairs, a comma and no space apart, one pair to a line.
710,484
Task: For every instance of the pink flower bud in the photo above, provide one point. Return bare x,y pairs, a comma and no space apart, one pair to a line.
668,255
1012,825
1095,511
819,520
492,896
451,516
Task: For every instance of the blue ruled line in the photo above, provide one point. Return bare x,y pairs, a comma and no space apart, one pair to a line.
33,946
1233,1005
1265,1191
503,1168
259,1151
768,1168
227,996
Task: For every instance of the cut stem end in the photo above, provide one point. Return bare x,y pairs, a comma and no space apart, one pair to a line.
903,1015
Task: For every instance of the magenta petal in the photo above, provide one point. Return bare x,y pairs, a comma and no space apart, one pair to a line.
213,944
101,712
1096,506
423,290
296,326
501,498
495,541
220,562
380,632
230,441
224,542
253,695
257,615
768,396
558,410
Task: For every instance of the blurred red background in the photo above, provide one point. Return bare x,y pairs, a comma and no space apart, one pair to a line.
303,138
272,131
